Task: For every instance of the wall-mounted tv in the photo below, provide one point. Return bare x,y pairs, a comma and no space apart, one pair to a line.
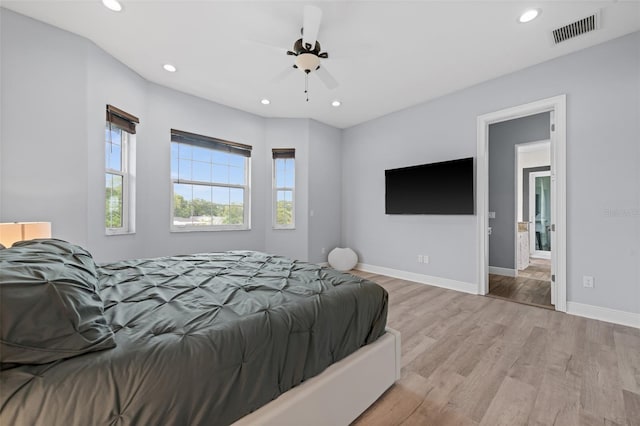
436,188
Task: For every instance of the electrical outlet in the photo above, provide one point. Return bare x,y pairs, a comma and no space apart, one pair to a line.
587,281
420,258
323,250
425,258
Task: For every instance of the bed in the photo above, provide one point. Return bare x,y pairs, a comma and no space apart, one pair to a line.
216,338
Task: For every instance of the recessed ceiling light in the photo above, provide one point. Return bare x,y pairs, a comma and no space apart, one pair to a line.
169,67
529,15
336,103
112,5
265,101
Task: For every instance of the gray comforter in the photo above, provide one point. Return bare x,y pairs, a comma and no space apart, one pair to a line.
201,339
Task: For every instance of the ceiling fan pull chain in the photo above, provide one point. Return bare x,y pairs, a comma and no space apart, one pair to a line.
306,86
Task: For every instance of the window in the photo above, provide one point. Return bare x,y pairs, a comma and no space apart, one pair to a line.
119,148
210,183
284,178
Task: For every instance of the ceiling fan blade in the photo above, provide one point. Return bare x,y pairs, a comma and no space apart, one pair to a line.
311,25
326,77
265,46
283,74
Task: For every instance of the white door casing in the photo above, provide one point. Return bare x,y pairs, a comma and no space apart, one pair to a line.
557,106
554,214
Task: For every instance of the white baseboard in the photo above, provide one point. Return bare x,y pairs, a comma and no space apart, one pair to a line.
503,271
629,319
541,255
420,278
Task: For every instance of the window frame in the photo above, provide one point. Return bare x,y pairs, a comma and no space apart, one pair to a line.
126,144
275,189
246,225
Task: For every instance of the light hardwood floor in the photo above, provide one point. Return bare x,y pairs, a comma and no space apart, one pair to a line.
531,286
521,290
539,269
473,360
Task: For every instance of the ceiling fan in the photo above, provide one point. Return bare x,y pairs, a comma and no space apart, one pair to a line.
307,50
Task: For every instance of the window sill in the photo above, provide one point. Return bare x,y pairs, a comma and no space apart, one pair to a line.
208,229
111,233
284,228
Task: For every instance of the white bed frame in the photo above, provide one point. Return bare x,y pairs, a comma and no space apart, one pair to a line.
340,393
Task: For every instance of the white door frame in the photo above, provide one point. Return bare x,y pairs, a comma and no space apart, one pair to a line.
543,254
557,105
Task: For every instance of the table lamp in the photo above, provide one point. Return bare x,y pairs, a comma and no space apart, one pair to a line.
20,231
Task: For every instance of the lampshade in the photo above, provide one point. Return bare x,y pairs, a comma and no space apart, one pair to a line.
307,62
21,231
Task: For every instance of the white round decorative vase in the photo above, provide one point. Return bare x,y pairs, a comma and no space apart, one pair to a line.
343,259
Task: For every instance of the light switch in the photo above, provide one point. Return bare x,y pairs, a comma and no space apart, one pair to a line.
492,215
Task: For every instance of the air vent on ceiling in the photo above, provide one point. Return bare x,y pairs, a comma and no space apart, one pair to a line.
574,29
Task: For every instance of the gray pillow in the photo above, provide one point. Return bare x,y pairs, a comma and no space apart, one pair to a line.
50,308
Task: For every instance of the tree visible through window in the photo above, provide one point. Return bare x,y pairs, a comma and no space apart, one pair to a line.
115,171
284,187
210,183
120,127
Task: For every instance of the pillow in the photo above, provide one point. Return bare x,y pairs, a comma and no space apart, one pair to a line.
50,308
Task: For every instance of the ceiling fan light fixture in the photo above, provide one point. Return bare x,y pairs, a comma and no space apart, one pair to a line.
529,16
112,5
307,62
336,103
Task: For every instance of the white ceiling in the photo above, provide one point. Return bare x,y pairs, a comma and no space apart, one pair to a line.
386,55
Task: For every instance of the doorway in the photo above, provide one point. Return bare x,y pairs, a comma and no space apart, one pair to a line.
551,199
520,209
530,282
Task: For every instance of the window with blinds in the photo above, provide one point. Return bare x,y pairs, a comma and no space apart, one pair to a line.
284,178
210,183
120,133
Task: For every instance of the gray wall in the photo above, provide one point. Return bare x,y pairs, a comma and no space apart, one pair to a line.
171,109
55,86
428,133
108,81
325,187
318,188
602,84
43,126
290,133
525,187
51,169
503,138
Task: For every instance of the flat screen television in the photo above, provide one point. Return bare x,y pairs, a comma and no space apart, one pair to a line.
436,188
